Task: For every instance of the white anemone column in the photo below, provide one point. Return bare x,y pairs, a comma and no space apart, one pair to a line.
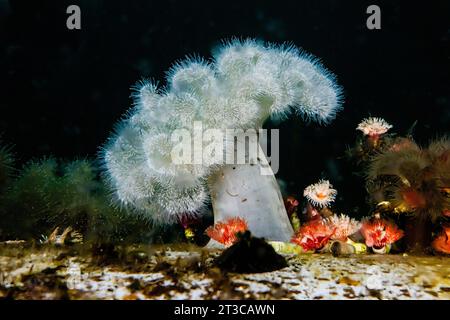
242,190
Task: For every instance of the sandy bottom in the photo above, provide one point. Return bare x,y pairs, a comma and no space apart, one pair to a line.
155,272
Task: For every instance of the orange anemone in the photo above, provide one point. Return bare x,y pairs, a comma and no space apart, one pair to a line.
225,232
442,242
379,232
314,235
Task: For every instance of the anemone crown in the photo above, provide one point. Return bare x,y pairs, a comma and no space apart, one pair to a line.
320,194
244,83
344,226
379,233
225,231
442,242
373,126
313,235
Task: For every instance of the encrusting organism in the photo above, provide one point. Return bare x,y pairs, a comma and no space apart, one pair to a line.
245,83
291,204
225,232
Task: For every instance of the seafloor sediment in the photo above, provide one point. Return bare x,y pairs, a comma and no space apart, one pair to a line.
184,272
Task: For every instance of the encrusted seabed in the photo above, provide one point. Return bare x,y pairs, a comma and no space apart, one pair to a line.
155,272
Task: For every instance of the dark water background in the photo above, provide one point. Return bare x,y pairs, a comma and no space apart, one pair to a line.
62,91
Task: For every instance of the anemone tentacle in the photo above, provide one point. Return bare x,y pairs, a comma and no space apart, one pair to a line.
245,83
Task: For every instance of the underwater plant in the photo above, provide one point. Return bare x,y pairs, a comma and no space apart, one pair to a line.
246,83
83,202
380,234
225,232
48,195
313,235
29,200
6,166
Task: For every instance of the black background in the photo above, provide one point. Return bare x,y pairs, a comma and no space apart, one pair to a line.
165,309
62,91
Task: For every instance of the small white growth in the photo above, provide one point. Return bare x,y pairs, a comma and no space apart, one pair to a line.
344,226
374,126
246,83
320,194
